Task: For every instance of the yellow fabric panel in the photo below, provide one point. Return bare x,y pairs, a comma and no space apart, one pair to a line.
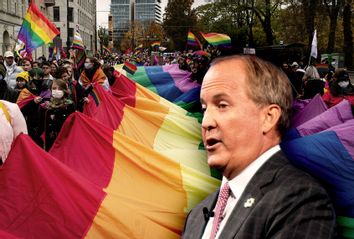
143,123
145,198
197,185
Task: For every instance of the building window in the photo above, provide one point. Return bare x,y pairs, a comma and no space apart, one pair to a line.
56,14
71,14
71,32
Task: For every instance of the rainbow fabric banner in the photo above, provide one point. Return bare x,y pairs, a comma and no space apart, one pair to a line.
36,29
192,40
171,83
217,39
131,168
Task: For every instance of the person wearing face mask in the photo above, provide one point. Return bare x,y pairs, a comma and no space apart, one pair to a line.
340,88
54,112
93,74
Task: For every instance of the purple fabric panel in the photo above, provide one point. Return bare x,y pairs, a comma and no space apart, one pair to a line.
315,107
46,94
336,115
299,104
181,78
345,133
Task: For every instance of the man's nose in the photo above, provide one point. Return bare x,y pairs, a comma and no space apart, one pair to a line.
208,122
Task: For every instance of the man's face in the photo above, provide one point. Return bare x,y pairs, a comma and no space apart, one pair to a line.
232,122
9,60
46,69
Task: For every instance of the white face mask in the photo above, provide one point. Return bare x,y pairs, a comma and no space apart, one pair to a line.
57,94
343,84
88,65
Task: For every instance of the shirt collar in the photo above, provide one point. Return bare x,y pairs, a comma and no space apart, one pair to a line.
239,183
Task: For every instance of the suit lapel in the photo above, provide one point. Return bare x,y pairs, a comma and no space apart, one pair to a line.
252,195
199,221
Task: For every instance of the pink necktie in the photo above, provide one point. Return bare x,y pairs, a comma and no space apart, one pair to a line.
219,209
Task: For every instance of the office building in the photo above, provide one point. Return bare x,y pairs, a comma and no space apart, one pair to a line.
124,12
69,15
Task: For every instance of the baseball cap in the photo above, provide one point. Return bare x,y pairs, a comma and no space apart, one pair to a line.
9,54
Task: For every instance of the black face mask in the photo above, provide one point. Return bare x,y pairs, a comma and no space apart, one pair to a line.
35,86
38,83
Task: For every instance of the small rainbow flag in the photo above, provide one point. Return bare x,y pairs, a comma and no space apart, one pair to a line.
105,50
192,40
155,44
201,53
217,39
130,68
20,49
36,29
78,42
139,47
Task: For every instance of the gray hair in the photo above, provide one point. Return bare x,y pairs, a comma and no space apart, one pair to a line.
268,85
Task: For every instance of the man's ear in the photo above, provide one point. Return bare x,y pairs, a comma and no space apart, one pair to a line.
272,114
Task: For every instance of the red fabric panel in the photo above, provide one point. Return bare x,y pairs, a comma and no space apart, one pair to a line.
109,111
98,141
124,89
40,197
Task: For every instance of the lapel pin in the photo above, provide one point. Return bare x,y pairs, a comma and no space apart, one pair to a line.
249,203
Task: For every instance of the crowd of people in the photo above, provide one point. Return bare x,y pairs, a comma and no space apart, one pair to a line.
47,92
241,97
333,85
58,87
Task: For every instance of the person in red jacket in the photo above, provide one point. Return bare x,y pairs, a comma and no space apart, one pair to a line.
340,88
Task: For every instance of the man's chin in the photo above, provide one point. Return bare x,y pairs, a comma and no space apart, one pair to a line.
215,162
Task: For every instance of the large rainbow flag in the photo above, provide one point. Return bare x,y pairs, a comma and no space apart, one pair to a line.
217,39
132,168
171,83
36,29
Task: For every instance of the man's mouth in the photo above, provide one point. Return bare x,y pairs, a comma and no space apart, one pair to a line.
211,143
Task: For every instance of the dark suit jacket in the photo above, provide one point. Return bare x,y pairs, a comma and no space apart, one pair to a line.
288,203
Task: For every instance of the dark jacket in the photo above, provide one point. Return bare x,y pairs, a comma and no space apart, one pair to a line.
52,120
288,203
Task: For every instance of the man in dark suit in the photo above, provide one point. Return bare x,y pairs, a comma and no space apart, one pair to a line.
247,104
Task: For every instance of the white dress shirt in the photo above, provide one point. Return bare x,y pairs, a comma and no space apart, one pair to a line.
237,186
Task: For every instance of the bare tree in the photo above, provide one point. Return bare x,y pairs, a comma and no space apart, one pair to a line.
332,7
348,33
310,8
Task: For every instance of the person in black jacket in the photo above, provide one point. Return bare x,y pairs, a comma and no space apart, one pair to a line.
55,111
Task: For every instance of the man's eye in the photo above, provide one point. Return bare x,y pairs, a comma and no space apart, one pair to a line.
222,106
